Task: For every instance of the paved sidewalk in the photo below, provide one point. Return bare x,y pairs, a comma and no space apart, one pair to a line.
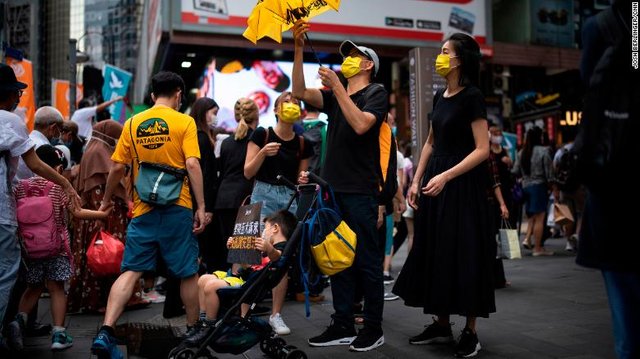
554,309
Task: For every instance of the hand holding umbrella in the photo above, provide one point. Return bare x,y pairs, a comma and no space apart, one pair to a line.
300,29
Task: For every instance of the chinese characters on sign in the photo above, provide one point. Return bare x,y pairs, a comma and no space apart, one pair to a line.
245,232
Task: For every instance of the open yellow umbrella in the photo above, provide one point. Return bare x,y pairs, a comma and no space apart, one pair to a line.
270,18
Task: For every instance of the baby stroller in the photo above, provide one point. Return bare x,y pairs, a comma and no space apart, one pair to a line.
234,334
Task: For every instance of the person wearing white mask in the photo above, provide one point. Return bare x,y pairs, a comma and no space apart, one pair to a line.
504,163
47,129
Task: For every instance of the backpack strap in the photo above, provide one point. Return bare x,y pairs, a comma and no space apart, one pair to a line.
47,188
25,187
133,143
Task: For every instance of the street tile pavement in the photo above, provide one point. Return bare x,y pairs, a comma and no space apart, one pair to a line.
553,309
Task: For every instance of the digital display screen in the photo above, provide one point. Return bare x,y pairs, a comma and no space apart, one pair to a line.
227,80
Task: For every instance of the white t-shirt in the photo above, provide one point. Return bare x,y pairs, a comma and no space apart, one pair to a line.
85,118
15,139
39,139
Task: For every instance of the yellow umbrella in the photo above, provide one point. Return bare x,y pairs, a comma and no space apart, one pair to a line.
270,18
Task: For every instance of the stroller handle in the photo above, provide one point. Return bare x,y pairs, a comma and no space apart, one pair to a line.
312,176
286,182
315,178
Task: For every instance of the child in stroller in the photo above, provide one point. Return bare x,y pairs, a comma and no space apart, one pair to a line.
277,229
236,331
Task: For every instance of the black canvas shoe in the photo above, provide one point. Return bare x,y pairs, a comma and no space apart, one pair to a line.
196,334
468,345
334,335
434,333
367,339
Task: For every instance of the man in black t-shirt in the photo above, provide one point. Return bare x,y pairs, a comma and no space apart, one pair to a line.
351,167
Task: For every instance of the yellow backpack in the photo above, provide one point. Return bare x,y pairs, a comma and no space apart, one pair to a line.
333,243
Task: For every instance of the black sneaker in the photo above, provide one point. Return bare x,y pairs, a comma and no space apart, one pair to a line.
199,332
37,329
334,335
468,345
367,339
434,333
388,279
15,333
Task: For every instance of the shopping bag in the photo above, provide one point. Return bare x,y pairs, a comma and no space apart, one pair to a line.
104,255
562,214
551,219
509,241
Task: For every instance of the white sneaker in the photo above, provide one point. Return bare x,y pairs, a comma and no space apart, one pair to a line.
153,296
278,324
388,296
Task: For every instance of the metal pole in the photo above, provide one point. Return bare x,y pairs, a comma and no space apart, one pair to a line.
73,74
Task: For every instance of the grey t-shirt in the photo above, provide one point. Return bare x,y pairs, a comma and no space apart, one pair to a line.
540,171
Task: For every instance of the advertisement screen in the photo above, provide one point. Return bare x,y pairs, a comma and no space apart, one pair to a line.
227,80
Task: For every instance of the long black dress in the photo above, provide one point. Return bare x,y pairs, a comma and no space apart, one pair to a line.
449,268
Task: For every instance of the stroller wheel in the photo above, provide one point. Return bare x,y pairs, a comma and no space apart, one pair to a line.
265,346
272,346
182,353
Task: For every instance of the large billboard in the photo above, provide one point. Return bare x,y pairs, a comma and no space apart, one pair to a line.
262,80
400,22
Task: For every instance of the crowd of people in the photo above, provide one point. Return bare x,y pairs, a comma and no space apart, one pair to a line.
449,208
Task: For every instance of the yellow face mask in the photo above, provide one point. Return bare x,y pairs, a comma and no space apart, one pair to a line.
350,66
289,112
443,64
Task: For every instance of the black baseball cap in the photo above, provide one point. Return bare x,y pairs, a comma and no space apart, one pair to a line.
8,80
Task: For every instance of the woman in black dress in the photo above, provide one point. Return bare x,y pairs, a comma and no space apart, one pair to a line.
234,188
449,268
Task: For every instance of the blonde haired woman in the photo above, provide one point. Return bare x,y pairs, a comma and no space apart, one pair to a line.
234,188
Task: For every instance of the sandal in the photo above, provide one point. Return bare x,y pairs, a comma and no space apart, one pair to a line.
526,244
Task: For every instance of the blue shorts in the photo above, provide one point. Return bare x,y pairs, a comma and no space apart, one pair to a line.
167,231
536,198
273,198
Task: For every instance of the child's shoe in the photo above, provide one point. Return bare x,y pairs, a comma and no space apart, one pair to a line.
61,340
